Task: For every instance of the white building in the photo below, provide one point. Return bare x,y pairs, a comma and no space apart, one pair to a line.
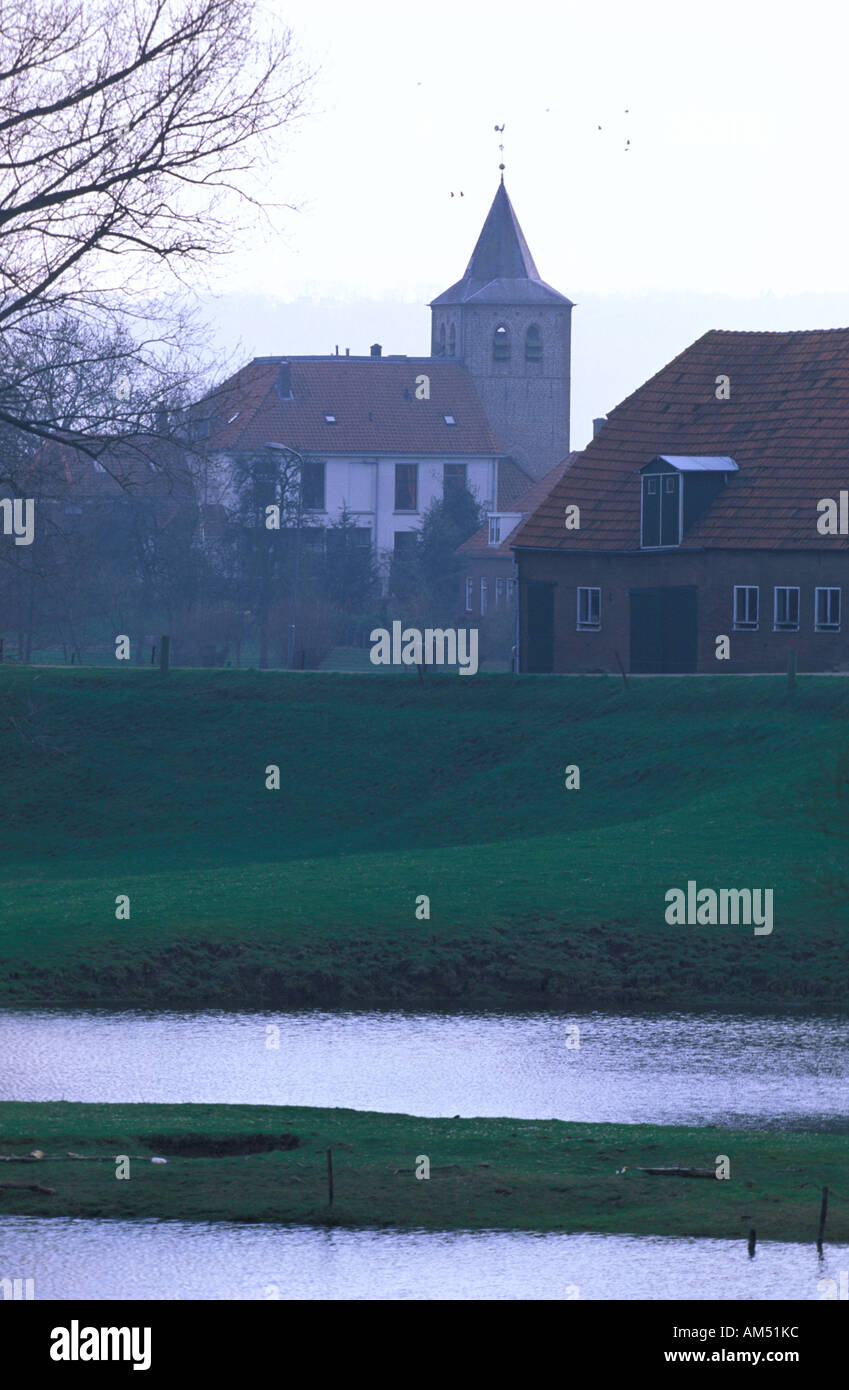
380,436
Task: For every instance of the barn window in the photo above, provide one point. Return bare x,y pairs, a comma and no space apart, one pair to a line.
745,608
786,609
501,344
533,344
589,610
826,610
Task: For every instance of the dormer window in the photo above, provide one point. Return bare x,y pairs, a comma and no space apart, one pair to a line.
661,524
449,420
330,417
676,490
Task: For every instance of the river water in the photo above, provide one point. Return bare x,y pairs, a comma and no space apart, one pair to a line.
83,1259
775,1072
769,1072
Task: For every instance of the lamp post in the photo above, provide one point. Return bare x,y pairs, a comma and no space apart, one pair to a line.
294,453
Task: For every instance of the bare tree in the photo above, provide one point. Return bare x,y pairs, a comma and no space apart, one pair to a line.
129,131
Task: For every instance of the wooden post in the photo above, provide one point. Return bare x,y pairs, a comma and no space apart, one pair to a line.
622,670
752,1240
164,653
330,1177
791,670
823,1211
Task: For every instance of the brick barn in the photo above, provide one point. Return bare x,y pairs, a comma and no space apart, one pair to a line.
709,507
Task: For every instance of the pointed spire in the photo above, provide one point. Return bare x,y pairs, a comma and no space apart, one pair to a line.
501,269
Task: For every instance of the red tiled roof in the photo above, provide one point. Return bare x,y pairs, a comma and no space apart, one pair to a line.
526,503
139,465
786,425
373,401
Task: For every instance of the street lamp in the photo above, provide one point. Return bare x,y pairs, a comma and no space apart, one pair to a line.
293,453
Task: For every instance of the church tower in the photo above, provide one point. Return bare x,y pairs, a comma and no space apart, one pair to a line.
512,332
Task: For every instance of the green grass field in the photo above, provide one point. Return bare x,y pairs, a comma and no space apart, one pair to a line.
484,1173
119,782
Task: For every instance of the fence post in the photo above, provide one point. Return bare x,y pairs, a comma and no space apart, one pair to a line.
164,654
622,670
823,1211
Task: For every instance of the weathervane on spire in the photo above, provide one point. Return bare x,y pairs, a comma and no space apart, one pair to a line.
500,131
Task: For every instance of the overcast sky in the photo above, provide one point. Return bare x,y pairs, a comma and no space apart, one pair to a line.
727,208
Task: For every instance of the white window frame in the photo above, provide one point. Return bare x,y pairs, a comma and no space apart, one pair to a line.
494,530
587,624
499,592
470,595
827,589
746,625
785,589
483,598
511,591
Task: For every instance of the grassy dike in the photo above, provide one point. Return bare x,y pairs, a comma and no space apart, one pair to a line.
118,782
484,1174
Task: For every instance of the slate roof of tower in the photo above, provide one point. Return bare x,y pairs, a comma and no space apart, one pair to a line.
501,269
786,425
372,401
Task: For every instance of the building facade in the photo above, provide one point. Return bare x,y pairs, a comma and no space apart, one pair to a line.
380,438
701,529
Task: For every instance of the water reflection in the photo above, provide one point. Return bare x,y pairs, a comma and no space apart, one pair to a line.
82,1259
766,1072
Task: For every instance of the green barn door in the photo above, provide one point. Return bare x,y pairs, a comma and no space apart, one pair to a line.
664,630
540,644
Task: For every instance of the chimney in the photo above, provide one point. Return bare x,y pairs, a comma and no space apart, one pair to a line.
284,381
337,349
376,350
598,423
347,352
